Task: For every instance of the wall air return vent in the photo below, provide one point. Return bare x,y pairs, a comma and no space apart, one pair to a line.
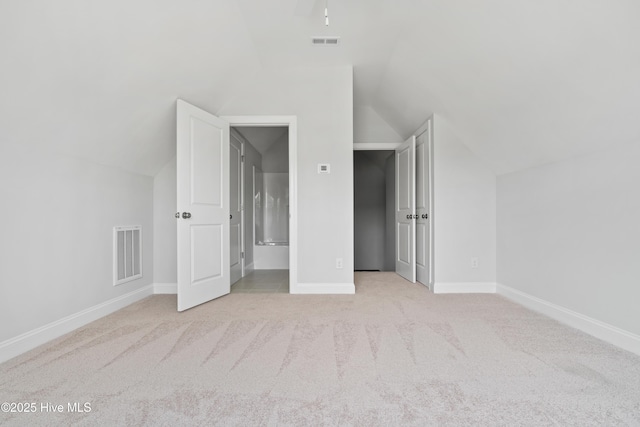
127,254
325,41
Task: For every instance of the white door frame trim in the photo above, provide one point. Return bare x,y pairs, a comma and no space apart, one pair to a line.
375,146
292,123
235,134
238,136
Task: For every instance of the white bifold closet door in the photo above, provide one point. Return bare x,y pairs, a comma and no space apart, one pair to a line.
423,205
203,206
406,210
414,207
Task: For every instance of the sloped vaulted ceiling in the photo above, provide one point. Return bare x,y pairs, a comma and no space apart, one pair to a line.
523,83
99,79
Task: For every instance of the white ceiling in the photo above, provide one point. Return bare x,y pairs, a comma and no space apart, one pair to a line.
522,83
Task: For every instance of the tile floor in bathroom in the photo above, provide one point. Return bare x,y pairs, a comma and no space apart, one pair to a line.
263,281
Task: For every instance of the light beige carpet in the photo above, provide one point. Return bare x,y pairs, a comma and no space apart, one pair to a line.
393,354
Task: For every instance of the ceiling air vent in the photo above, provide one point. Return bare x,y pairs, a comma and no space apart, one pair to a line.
325,41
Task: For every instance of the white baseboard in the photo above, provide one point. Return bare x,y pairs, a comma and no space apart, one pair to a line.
464,288
324,288
611,334
165,288
29,340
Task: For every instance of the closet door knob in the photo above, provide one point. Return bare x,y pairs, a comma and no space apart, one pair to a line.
177,215
186,215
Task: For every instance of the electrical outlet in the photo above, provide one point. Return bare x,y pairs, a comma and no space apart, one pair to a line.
474,262
338,263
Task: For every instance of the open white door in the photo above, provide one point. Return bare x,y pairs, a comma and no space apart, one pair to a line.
423,175
235,206
405,210
203,206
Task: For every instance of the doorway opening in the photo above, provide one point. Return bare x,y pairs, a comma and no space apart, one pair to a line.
260,197
406,174
374,210
204,211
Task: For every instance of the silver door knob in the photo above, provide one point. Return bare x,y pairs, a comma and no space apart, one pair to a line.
186,215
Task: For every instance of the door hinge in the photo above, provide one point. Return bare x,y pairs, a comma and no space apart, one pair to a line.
242,255
242,159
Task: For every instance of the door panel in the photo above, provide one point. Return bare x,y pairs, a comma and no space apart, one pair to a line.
235,198
405,181
202,160
422,260
405,210
404,243
423,209
205,149
205,247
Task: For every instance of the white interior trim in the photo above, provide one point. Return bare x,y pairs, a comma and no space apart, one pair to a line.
372,146
424,126
29,340
611,334
325,288
233,133
292,123
464,288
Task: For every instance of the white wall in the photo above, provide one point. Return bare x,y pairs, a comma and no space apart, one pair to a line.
164,224
56,235
369,127
464,211
322,100
569,234
276,159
